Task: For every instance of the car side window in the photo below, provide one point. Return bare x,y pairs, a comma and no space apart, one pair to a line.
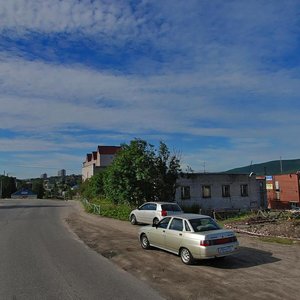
145,207
176,224
163,223
186,226
152,207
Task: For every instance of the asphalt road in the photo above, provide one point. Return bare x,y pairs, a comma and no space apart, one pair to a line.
41,259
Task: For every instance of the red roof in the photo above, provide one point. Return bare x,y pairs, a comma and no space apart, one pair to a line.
89,157
108,149
94,155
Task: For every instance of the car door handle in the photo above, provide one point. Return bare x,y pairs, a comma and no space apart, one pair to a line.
164,231
180,234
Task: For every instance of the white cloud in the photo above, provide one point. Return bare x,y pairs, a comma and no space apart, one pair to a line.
206,70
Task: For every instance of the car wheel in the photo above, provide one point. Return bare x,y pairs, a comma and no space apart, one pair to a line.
155,221
144,241
133,220
186,256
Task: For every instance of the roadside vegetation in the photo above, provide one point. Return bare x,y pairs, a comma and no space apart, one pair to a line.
139,173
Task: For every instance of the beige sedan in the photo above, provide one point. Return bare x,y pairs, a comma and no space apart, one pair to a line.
191,236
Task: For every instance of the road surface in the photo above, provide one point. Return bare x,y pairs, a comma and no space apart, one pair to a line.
41,259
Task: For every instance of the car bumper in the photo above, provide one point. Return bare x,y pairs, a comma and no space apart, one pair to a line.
215,251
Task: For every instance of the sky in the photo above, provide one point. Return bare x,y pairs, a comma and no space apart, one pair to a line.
218,81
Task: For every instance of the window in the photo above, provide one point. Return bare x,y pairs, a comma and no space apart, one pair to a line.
244,190
176,224
225,190
186,226
185,192
164,223
148,206
204,224
206,191
171,207
152,206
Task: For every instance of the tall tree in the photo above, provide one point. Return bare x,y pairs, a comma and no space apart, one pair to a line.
167,168
93,187
7,186
140,173
38,188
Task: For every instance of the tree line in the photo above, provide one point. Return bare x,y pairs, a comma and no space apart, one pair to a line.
139,173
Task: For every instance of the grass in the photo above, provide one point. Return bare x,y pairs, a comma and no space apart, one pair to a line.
278,240
108,209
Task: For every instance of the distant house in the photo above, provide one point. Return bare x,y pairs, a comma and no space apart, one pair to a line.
24,194
283,190
98,160
220,191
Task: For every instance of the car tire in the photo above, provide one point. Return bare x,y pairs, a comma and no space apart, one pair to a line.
186,256
144,241
155,221
133,220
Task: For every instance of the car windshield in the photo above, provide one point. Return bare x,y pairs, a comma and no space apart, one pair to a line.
170,207
204,224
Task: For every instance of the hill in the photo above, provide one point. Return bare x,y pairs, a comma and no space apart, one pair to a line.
269,168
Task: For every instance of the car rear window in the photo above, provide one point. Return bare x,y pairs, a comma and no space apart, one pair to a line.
204,224
170,207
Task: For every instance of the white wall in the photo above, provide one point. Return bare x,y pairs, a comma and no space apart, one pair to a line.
217,201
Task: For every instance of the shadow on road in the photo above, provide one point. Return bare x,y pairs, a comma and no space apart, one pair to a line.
246,258
29,206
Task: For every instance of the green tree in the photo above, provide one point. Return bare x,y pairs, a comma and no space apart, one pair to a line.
93,187
7,186
167,168
38,188
140,173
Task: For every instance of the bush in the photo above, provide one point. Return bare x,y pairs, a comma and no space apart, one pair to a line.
109,209
194,208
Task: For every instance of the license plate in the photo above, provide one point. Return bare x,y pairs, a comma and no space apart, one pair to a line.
225,249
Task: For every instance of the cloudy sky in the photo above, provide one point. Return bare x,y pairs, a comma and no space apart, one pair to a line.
218,81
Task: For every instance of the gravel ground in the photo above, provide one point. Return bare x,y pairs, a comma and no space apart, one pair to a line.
259,271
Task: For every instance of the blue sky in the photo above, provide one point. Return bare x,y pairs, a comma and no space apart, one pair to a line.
218,81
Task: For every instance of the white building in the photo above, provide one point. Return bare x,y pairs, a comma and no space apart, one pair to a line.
219,191
97,160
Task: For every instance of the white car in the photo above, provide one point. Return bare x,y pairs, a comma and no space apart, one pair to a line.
153,212
191,236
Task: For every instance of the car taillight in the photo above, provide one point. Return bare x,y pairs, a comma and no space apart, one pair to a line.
221,241
164,213
205,243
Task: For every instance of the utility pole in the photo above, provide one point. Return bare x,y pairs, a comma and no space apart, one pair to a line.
280,165
1,188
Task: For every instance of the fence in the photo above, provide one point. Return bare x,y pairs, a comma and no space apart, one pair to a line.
92,207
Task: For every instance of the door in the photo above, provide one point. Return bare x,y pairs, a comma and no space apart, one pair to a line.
158,233
174,235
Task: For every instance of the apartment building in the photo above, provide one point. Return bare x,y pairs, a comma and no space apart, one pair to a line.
98,160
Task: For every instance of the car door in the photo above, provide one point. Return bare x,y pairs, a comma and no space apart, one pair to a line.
174,235
151,210
142,213
157,234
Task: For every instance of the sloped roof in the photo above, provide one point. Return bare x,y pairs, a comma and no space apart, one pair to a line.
108,149
24,192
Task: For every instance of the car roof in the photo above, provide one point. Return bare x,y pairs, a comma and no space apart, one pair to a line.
190,216
160,203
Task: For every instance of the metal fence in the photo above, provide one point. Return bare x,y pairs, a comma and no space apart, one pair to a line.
93,207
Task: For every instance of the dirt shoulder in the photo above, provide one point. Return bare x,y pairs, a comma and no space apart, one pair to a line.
260,270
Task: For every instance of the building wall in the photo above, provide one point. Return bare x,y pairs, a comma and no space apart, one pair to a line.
88,171
283,190
217,201
106,159
98,160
